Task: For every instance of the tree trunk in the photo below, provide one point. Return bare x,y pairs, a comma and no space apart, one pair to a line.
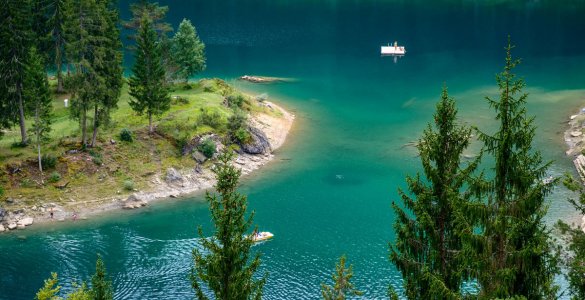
59,65
83,127
150,128
21,114
95,126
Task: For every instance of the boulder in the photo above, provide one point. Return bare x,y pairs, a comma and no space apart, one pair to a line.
12,226
2,229
133,198
259,143
173,176
25,221
198,156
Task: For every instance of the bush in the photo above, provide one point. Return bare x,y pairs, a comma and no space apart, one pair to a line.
179,100
26,183
242,136
207,148
96,157
235,100
129,185
211,119
237,127
48,161
55,176
126,135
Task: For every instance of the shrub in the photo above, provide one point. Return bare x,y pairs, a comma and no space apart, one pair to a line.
211,119
126,135
48,161
242,136
179,100
55,176
96,157
207,148
129,185
235,100
26,183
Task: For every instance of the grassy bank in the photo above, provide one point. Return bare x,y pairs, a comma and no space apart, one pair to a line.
116,167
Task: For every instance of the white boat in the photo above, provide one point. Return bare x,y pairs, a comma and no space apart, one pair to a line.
393,49
261,236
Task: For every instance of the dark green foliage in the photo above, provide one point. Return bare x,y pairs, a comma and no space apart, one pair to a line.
212,119
207,147
126,135
49,161
188,51
38,99
428,250
1,192
56,22
512,243
223,264
342,287
153,12
147,84
238,127
235,100
55,176
101,285
15,41
96,157
574,256
110,68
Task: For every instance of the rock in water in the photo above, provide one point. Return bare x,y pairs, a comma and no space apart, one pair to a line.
173,176
259,143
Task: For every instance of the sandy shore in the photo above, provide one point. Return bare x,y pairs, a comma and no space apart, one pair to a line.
183,182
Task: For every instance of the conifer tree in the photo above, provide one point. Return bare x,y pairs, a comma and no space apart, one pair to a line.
515,256
223,263
342,287
56,23
147,84
188,51
39,100
151,11
101,285
50,289
573,259
91,49
15,39
428,250
110,68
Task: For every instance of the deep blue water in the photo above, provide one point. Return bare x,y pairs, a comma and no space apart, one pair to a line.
355,110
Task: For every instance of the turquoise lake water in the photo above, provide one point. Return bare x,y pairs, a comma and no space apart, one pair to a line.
328,191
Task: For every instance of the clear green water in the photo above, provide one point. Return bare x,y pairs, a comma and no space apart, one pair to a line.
354,111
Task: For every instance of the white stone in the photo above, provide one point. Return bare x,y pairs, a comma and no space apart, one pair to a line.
576,133
573,117
12,226
25,221
2,229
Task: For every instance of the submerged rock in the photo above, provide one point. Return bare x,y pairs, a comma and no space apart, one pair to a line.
259,143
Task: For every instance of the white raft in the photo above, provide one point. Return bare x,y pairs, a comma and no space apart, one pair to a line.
393,49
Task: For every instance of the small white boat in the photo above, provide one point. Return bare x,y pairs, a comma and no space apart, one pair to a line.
261,236
393,49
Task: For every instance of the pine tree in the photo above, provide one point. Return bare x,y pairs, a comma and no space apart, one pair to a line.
342,286
428,250
151,11
15,39
56,25
110,68
41,30
50,289
188,51
81,292
574,257
223,263
101,285
515,256
39,100
147,84
87,43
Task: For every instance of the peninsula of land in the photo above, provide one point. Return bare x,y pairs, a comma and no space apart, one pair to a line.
128,173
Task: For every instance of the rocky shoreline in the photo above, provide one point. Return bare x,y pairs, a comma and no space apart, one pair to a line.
269,133
575,139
